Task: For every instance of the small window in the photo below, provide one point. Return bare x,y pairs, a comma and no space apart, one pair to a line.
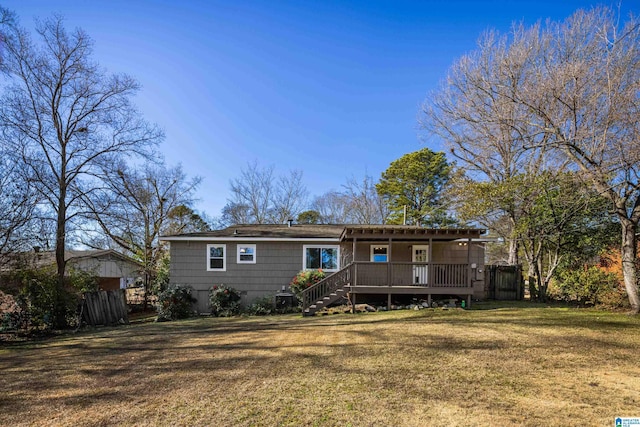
326,258
379,253
246,254
216,258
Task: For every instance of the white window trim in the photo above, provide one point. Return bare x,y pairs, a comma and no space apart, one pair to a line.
224,257
250,245
378,246
304,256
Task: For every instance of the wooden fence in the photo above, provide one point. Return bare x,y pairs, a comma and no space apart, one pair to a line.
504,282
105,308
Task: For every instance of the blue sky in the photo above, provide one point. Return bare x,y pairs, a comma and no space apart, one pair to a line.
333,87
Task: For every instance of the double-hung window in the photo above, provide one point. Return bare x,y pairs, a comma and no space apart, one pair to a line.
322,257
379,253
246,253
216,257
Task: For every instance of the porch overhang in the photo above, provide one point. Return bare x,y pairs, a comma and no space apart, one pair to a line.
407,233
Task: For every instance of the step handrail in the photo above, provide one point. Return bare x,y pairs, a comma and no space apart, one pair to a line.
326,286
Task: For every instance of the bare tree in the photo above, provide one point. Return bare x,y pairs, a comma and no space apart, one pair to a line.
18,206
333,207
359,203
235,213
564,93
258,196
67,119
289,197
138,205
475,115
254,189
365,205
587,101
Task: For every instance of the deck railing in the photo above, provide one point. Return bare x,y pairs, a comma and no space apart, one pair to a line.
326,286
390,274
411,274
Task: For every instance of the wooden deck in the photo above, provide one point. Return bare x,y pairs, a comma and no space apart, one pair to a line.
391,278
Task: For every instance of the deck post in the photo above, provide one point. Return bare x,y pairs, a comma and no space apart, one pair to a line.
353,251
389,302
430,266
353,303
354,278
469,272
389,260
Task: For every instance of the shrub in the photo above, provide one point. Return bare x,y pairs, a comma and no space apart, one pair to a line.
305,279
44,302
12,316
262,306
83,281
589,285
267,305
161,280
175,303
224,300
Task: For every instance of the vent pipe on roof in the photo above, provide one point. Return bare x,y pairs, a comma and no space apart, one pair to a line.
289,222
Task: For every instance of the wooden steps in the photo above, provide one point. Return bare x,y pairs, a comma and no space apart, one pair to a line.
324,302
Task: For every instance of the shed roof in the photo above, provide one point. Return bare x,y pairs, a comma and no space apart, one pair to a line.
47,258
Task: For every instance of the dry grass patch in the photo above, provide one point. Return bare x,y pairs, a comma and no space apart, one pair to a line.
525,366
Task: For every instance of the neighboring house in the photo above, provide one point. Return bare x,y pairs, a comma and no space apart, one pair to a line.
114,270
382,260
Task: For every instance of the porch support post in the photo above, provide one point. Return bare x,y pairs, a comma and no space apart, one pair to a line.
354,266
430,266
353,250
354,278
353,303
469,272
389,259
389,273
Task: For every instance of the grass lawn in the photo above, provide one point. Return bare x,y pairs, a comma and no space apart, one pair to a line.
495,365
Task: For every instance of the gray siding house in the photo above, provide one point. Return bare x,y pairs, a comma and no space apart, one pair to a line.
383,260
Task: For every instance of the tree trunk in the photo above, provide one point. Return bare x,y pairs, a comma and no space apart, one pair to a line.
542,291
513,252
629,269
58,314
533,294
533,290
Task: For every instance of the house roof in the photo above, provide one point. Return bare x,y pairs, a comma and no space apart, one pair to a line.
72,255
322,232
47,258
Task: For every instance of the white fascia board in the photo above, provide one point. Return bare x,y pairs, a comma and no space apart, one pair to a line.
248,239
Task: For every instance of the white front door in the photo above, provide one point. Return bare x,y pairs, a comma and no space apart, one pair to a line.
420,254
